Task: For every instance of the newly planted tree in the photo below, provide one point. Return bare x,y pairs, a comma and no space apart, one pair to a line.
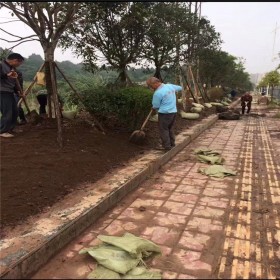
113,31
48,20
271,79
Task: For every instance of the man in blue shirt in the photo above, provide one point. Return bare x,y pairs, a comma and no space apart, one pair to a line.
164,101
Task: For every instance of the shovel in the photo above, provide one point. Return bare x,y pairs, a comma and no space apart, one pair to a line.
138,136
32,113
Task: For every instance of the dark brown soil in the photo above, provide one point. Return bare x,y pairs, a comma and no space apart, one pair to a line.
35,172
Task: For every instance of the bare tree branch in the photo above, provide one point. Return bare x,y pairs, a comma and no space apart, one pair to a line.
23,42
13,34
9,21
20,38
14,41
16,11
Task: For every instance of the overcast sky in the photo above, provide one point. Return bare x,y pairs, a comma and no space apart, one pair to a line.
247,29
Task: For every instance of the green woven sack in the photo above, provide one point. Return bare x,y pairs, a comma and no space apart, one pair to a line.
135,246
101,272
196,109
189,116
141,272
112,258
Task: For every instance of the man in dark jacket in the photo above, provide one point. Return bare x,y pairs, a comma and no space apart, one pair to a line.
246,100
8,106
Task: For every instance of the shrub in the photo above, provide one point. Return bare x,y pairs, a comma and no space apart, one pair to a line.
215,94
129,105
134,104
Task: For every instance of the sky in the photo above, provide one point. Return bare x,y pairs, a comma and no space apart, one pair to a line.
247,30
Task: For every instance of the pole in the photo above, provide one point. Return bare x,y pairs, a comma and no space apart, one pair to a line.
99,126
26,92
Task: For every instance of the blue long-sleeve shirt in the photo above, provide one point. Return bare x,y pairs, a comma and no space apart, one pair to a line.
164,98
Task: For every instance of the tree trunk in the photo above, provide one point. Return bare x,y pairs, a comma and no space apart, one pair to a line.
52,91
123,78
157,73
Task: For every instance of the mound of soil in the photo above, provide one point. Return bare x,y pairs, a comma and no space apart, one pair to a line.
36,173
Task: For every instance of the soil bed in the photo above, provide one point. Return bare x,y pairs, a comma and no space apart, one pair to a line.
35,173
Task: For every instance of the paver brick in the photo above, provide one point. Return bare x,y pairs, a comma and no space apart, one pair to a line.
191,260
189,189
194,181
186,276
162,235
193,241
118,228
186,198
204,225
168,219
135,214
164,186
169,275
147,203
208,212
178,207
215,202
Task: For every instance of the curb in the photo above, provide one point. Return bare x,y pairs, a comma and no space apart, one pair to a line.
31,262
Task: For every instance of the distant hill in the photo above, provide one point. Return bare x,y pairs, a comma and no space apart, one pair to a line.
34,61
72,70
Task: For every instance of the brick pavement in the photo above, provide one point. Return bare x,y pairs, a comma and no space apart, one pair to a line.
207,227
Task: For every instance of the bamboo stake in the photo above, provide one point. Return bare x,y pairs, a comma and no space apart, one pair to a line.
80,97
183,93
26,92
195,87
188,85
56,105
22,95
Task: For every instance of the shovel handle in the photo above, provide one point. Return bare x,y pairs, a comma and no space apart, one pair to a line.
22,95
146,120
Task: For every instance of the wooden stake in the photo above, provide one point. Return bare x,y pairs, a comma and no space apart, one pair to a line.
80,97
188,85
26,92
56,105
195,86
21,93
183,93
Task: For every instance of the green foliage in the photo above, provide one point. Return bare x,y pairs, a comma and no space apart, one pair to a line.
271,78
4,53
129,105
215,94
221,68
114,29
134,105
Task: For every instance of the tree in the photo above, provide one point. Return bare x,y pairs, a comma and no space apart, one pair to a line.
114,29
4,53
48,20
221,68
172,35
272,79
161,34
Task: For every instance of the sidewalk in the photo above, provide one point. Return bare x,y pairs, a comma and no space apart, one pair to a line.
207,228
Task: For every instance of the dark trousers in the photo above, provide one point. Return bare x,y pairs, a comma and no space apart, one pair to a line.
243,106
43,101
8,109
20,110
166,122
